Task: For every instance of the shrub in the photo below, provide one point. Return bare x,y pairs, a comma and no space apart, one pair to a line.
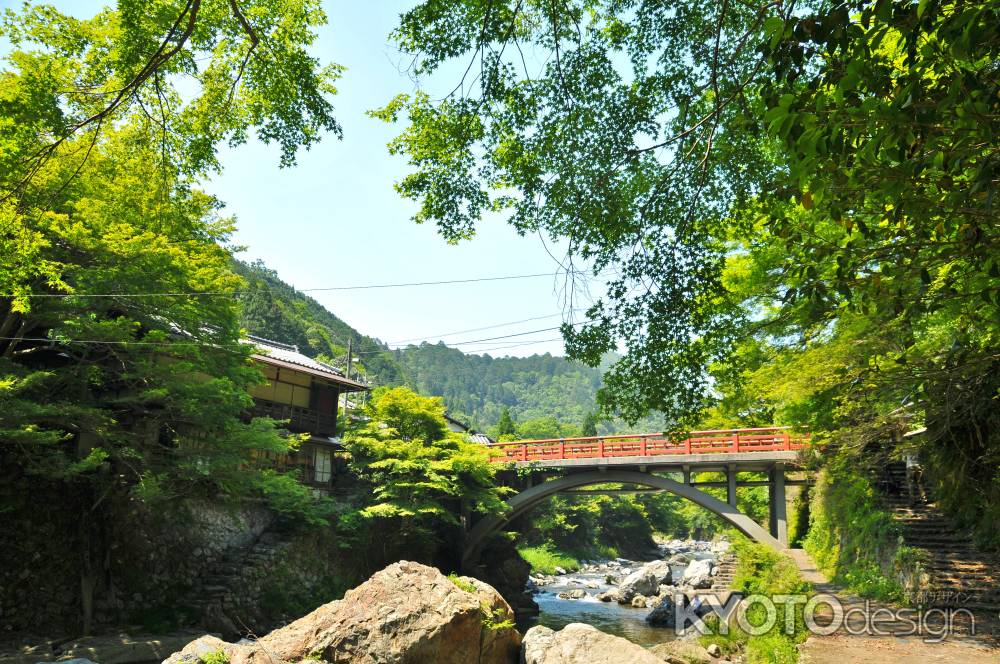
546,558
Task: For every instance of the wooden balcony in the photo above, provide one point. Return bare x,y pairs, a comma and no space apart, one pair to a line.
300,420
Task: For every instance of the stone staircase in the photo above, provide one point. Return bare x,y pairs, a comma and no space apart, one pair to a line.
959,574
725,568
211,597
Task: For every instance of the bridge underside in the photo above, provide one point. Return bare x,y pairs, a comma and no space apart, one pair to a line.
637,471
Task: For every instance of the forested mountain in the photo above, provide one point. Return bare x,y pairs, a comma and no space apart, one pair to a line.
476,388
479,387
275,310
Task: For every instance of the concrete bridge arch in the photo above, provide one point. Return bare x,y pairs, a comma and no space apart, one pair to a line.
532,496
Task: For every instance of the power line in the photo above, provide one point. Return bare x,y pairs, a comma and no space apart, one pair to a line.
509,346
478,329
299,290
476,341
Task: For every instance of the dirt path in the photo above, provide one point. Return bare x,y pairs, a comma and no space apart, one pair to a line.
843,647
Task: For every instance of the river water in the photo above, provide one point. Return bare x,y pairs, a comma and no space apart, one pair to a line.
610,617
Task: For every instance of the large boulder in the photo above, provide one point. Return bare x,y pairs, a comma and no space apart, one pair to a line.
405,614
639,582
661,570
577,643
698,574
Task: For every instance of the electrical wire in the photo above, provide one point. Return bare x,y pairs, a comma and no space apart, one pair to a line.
298,290
478,329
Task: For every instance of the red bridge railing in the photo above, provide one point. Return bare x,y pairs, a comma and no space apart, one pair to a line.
722,441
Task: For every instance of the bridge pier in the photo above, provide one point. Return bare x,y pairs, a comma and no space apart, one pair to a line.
777,509
731,485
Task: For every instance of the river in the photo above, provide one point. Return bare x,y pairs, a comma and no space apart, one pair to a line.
610,617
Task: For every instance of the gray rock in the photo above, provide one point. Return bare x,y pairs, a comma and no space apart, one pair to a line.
578,593
639,582
577,643
609,596
661,570
663,613
698,574
194,651
680,651
714,650
638,602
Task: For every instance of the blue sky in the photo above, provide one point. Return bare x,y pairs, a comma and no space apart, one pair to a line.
335,220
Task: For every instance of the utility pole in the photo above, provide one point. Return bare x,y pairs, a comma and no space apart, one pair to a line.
350,352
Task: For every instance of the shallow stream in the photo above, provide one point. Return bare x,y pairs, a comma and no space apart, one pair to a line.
610,617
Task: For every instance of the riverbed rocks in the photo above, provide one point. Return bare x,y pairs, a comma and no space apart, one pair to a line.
639,582
576,593
698,574
577,643
407,613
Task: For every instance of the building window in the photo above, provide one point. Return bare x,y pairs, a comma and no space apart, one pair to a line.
321,465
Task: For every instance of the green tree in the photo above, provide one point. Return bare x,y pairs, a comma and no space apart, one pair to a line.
798,201
421,476
505,426
589,427
115,387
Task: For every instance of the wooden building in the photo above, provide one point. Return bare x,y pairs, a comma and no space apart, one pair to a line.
306,394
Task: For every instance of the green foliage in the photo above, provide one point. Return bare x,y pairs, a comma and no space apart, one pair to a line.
461,583
504,429
852,538
114,385
545,558
416,472
800,200
218,657
192,74
481,387
761,570
271,308
496,619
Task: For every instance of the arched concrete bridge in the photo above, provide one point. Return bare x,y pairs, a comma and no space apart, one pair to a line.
630,460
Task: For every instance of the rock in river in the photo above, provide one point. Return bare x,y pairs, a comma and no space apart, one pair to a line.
639,582
577,643
663,613
698,574
405,614
661,570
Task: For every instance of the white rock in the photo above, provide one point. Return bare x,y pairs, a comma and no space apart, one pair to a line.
698,574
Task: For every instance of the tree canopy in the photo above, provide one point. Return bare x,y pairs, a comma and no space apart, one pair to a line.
112,376
799,201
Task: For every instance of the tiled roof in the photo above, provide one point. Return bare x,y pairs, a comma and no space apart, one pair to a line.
274,352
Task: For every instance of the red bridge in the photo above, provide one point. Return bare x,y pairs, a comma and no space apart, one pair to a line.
721,442
660,462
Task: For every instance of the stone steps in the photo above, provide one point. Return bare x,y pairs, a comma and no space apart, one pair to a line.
958,570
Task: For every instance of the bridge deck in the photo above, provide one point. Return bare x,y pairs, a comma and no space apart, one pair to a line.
718,448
